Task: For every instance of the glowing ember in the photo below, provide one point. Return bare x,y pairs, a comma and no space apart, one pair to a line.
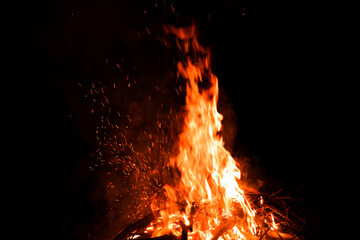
208,197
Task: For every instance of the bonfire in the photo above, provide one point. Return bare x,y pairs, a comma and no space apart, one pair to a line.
207,201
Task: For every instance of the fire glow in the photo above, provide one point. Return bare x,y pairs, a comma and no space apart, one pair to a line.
204,197
208,190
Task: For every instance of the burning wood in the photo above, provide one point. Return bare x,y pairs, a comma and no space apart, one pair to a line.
292,225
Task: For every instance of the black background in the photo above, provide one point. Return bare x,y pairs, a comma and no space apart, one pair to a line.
277,64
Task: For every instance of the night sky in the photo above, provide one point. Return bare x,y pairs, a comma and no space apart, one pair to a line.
273,61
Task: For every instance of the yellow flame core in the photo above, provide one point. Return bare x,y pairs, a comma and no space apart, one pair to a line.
209,173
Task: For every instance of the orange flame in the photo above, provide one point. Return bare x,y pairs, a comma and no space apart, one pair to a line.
208,187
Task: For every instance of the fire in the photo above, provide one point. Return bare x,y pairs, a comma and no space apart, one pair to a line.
208,200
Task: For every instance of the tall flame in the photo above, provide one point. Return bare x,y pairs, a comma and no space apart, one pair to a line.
213,203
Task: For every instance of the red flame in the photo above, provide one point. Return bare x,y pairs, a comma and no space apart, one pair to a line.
209,185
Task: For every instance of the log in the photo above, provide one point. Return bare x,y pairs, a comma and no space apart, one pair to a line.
142,223
226,224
